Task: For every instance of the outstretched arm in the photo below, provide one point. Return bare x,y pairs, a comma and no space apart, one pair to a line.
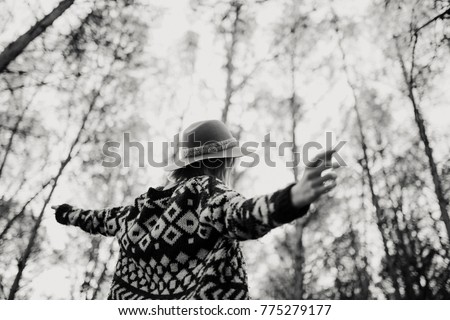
105,222
240,218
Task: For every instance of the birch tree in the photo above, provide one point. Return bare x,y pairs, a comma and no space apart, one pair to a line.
15,48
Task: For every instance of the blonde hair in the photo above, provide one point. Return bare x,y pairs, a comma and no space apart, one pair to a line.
217,167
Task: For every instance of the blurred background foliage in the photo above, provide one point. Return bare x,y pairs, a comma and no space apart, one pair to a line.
77,74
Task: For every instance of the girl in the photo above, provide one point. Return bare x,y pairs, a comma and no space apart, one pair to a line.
182,241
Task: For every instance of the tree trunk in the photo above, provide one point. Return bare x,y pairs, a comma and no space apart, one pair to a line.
299,257
34,232
409,82
14,131
15,48
365,164
299,253
404,251
229,90
101,279
87,288
10,223
362,276
89,273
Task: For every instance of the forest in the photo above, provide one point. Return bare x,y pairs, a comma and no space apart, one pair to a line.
76,74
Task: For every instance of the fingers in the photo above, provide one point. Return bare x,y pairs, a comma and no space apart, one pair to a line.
335,165
317,171
322,158
321,162
326,188
321,180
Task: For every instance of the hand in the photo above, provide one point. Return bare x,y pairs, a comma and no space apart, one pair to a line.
61,208
312,185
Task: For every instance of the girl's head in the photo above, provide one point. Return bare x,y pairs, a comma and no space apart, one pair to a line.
205,148
217,167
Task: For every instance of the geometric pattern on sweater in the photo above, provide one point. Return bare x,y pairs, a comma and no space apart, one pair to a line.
130,279
183,242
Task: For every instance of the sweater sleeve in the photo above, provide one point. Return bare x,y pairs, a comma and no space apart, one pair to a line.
105,221
240,218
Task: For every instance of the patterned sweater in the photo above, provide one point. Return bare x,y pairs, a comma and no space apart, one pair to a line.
183,242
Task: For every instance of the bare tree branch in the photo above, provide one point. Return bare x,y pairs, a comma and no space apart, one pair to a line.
15,48
438,17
